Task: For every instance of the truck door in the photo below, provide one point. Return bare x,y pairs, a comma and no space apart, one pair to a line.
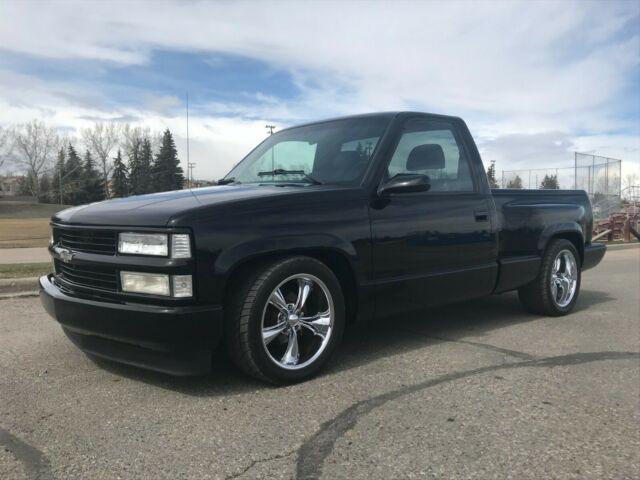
435,246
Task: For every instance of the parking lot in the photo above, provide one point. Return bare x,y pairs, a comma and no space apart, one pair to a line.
475,390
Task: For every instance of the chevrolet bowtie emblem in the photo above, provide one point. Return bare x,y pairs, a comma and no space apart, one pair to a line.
65,254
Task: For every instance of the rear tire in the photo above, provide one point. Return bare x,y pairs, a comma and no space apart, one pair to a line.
555,290
285,320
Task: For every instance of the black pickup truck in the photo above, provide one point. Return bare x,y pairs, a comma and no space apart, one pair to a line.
322,224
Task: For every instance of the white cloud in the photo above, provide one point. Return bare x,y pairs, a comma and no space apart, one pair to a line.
162,104
530,78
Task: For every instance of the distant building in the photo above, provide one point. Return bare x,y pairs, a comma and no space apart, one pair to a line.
201,183
9,186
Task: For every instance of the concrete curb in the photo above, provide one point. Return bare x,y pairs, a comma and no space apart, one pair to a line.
6,296
622,246
19,285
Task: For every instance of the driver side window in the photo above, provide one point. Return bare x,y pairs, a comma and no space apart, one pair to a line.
451,175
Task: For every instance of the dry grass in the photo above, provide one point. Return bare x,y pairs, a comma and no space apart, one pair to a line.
20,209
24,223
24,232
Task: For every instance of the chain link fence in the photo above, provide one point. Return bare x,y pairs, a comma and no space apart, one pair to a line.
600,177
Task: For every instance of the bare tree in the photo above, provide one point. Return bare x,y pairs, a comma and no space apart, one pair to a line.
132,137
631,180
631,187
6,144
101,140
36,145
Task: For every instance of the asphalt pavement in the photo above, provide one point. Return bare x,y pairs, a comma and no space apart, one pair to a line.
474,390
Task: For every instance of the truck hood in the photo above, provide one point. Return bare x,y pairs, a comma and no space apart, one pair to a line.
157,209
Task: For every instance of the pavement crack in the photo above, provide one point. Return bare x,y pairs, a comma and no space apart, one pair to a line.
35,463
487,346
313,452
259,461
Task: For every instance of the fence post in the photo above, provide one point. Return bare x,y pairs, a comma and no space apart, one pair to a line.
606,179
593,166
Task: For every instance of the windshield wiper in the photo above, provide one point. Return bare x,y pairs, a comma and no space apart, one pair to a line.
227,181
282,171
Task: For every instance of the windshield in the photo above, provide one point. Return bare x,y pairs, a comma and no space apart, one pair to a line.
336,152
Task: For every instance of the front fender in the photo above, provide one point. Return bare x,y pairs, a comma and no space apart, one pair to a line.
282,244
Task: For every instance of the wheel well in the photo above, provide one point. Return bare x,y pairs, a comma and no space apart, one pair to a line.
335,261
575,238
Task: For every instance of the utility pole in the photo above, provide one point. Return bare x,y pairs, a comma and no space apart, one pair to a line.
190,167
270,128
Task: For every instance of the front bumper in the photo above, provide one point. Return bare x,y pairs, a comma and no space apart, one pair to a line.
178,340
593,254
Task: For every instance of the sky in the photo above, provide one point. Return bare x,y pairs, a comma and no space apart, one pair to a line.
535,81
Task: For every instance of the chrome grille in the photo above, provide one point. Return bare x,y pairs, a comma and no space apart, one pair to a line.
103,242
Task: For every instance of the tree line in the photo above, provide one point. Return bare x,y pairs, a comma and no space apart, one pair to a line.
548,182
117,161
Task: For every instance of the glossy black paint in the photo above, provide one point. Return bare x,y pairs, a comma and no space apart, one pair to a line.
392,250
175,339
593,255
408,183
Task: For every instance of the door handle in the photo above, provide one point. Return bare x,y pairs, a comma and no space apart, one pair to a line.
481,216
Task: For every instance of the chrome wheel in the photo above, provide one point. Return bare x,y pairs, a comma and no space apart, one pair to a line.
297,321
564,278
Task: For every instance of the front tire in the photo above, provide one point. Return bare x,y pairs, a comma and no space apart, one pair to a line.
286,319
555,290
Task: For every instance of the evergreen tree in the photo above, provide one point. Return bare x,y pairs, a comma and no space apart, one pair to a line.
134,169
515,183
59,172
140,171
92,185
491,175
45,189
167,173
119,179
146,166
550,182
72,180
361,151
26,185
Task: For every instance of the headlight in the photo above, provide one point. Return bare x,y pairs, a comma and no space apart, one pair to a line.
157,284
144,244
149,283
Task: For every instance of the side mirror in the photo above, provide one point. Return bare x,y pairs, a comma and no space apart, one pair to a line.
405,183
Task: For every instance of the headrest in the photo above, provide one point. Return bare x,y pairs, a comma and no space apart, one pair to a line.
426,157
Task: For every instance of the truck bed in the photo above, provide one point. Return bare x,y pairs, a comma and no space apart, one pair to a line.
526,218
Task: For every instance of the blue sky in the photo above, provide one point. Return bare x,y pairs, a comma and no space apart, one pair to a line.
534,80
209,77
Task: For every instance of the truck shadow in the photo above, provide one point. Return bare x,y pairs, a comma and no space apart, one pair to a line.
368,342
